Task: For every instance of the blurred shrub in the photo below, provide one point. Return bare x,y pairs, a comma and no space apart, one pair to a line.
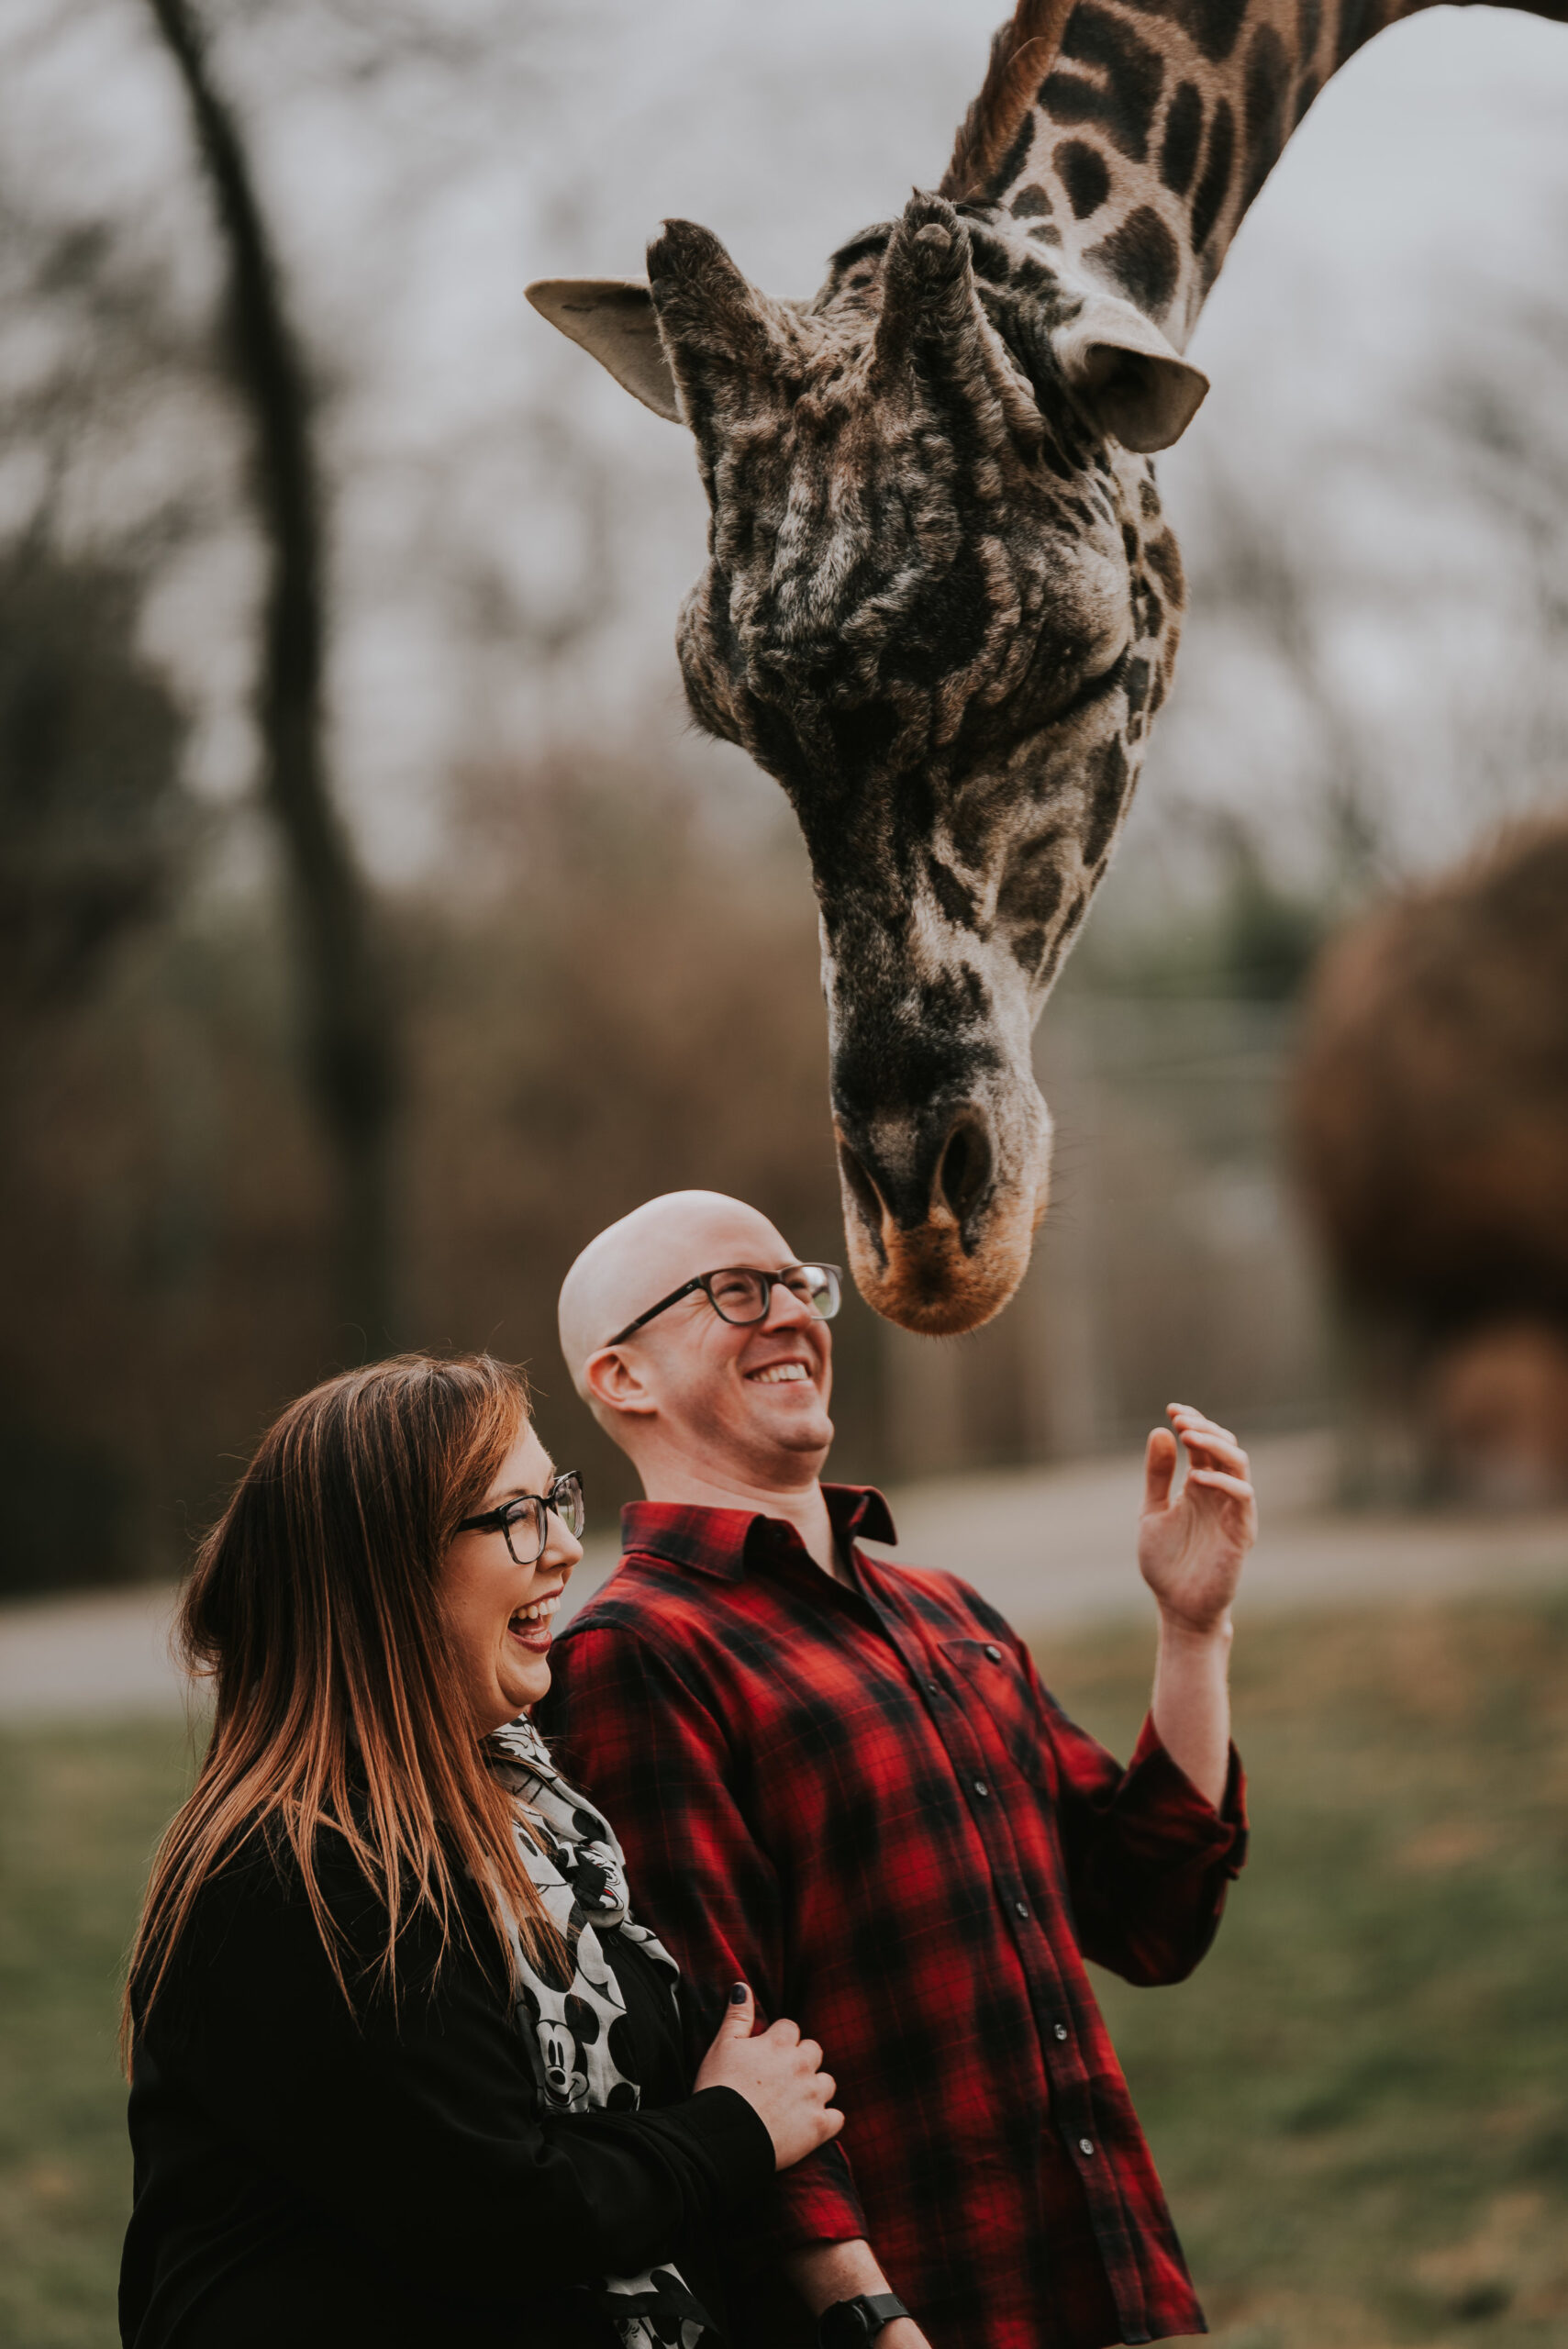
64,1514
94,826
92,813
1431,1119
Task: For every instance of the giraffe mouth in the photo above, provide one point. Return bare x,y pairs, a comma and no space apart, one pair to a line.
944,1257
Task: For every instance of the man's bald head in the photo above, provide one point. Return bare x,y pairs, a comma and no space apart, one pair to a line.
650,1252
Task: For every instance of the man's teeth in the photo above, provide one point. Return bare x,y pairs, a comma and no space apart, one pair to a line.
538,1612
779,1374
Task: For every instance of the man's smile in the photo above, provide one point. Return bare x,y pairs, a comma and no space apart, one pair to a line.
778,1373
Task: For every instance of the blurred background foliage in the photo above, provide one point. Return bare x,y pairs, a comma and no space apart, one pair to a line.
586,967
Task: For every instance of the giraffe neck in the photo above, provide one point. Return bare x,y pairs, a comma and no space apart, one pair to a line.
1157,125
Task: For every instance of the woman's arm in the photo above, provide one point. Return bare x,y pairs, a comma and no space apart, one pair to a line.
419,2130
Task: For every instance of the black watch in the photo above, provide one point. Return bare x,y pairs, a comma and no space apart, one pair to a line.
848,2324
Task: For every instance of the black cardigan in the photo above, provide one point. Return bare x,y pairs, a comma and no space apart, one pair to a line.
309,2178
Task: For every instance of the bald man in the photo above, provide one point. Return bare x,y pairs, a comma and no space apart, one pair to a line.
843,1782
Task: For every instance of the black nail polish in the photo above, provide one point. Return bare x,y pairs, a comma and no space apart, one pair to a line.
738,1996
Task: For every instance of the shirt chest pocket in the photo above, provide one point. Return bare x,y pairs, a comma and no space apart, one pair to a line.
1003,1714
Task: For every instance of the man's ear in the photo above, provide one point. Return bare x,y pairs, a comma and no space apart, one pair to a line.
613,317
614,1384
1126,377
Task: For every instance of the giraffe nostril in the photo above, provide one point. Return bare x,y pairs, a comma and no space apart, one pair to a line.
951,1175
965,1168
865,1193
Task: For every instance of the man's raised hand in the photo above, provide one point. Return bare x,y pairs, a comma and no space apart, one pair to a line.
1191,1545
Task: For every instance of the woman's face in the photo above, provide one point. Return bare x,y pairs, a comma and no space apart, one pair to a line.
499,1612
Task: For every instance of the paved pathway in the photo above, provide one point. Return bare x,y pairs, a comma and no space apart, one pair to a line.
1052,1547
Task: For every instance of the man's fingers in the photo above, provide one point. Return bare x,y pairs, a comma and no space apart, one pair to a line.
1185,1415
787,2033
1159,1468
1209,1450
810,2055
1218,1482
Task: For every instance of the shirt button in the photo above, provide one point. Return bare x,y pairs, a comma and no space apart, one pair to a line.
994,1652
1061,2031
1022,1907
1085,2145
934,1687
981,1787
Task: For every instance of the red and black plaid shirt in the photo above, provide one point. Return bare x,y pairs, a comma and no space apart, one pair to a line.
862,1802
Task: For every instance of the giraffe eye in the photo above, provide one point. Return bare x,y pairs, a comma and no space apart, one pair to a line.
1020,366
1018,329
1093,688
1010,334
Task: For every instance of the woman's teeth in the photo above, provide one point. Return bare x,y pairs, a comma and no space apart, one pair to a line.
538,1610
779,1372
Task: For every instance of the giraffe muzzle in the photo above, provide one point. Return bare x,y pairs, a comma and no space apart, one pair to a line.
939,1227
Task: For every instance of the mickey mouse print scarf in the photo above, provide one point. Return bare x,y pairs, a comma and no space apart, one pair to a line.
580,1870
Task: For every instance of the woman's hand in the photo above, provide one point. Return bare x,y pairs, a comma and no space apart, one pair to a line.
779,2073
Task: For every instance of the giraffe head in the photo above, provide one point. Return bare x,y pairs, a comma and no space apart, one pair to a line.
940,606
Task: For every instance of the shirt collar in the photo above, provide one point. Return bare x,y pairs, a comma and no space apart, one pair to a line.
728,1542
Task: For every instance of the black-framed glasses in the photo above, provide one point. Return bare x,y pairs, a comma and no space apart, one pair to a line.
525,1521
741,1294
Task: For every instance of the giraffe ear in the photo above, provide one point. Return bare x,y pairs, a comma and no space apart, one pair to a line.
1128,379
614,319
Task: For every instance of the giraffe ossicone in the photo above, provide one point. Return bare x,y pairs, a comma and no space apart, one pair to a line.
940,604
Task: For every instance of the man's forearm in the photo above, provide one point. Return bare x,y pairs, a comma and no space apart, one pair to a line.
827,2272
1192,1703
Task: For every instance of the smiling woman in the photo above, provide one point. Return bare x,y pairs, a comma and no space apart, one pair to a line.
405,2067
500,1594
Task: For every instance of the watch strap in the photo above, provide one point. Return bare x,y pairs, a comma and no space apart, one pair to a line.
871,2312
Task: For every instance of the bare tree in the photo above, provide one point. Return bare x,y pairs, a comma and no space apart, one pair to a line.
351,1055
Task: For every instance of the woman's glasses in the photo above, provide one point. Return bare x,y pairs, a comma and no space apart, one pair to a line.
525,1520
741,1294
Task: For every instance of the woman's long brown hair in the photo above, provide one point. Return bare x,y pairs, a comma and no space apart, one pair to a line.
315,1605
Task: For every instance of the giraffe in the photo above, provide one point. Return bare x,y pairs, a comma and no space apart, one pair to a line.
940,604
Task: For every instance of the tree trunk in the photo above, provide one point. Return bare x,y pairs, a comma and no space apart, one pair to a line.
350,1041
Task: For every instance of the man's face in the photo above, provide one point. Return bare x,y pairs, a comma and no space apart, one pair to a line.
749,1402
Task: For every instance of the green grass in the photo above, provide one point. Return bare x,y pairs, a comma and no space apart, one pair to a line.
80,1811
1360,2103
